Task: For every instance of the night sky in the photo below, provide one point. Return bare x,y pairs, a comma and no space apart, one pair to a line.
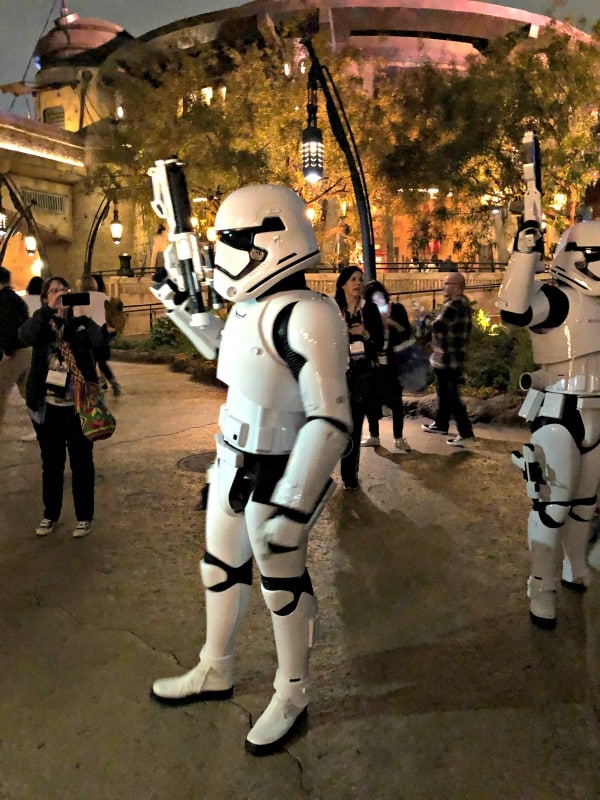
25,21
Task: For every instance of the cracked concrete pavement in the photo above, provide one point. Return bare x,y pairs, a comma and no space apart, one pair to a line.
430,682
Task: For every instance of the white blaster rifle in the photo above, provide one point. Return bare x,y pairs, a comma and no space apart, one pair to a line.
181,295
531,225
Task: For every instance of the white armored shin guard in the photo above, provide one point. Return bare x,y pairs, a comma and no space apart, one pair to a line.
212,677
295,634
542,583
575,536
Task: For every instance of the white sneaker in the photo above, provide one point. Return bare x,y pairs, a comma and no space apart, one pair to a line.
82,529
461,441
371,441
433,428
402,445
45,527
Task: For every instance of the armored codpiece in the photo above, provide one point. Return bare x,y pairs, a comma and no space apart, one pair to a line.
283,355
561,463
180,287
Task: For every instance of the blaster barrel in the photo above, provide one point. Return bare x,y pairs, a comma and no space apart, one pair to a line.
532,200
532,174
171,202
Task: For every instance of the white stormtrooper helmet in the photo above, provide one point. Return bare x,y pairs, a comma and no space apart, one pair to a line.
263,235
576,261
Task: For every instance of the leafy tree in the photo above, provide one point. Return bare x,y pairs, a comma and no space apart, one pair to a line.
461,131
233,116
458,131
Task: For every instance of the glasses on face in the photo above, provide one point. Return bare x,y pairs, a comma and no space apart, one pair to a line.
58,289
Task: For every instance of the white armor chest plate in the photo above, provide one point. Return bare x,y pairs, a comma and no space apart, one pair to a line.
263,411
571,352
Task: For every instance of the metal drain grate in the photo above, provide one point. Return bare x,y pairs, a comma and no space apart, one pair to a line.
199,462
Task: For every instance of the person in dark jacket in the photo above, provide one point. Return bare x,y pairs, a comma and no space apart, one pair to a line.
397,331
33,294
50,399
14,358
365,334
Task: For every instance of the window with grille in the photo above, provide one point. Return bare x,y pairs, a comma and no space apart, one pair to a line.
44,201
55,115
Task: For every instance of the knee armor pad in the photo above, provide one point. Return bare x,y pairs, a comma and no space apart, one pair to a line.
583,510
282,595
217,576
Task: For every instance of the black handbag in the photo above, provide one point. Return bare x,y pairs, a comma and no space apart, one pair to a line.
362,380
412,366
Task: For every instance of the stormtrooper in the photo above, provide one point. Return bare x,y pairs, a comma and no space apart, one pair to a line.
283,354
561,463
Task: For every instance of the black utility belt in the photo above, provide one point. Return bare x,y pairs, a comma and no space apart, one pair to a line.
360,365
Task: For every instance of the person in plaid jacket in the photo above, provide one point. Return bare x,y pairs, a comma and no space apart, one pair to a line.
451,329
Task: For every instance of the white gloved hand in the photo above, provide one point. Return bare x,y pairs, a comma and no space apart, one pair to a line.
529,238
280,534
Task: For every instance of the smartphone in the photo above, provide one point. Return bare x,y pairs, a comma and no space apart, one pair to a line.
76,299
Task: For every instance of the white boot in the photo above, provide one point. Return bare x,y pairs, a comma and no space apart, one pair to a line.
542,601
279,719
210,679
545,552
575,570
295,634
594,556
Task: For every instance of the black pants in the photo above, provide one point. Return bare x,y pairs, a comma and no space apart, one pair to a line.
349,463
392,398
449,403
61,431
102,356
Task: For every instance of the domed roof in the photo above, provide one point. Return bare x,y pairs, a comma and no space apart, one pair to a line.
73,35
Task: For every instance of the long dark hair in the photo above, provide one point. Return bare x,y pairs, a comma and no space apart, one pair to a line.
376,286
63,281
35,285
343,278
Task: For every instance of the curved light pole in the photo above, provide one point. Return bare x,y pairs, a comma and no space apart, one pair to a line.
23,212
319,76
116,230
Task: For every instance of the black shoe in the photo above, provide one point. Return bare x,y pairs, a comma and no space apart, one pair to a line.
351,487
542,622
574,586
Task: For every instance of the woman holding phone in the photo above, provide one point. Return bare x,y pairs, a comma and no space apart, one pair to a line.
365,335
50,398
